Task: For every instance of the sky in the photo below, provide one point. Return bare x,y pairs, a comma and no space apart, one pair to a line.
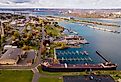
81,4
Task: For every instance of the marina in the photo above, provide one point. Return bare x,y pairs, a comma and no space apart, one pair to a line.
84,55
73,59
78,59
100,39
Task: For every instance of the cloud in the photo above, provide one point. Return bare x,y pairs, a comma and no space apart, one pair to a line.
62,3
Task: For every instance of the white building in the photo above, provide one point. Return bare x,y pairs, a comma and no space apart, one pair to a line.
9,47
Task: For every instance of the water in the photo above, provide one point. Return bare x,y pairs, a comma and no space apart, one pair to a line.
107,43
50,13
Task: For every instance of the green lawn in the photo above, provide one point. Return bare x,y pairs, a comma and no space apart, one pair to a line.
15,76
43,79
52,31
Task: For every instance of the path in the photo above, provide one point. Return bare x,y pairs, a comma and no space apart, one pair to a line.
36,75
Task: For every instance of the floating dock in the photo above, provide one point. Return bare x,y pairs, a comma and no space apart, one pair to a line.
76,59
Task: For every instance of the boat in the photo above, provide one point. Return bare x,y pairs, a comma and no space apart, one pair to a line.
85,52
77,67
77,51
81,53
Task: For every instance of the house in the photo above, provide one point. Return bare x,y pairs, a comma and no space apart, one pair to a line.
11,56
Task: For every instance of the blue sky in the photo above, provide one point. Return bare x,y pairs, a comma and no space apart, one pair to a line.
61,3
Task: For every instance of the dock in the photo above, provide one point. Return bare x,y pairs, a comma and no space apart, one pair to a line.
75,59
77,55
73,53
71,31
102,56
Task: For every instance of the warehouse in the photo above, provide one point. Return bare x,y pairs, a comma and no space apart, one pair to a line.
11,56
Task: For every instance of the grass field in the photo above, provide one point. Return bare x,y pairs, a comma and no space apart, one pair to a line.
15,76
26,75
43,79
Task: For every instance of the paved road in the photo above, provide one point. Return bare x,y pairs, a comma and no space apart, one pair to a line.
35,70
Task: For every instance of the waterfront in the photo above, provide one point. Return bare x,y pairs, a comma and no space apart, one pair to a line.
72,59
105,42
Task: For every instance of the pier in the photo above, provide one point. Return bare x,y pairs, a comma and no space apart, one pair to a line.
75,59
102,56
104,29
71,31
72,53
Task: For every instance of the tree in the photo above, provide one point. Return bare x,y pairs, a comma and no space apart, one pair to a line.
2,39
55,24
25,47
16,34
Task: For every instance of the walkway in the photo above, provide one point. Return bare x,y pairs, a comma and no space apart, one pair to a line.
36,75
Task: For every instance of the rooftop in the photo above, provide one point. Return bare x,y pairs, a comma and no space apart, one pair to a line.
12,53
88,78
